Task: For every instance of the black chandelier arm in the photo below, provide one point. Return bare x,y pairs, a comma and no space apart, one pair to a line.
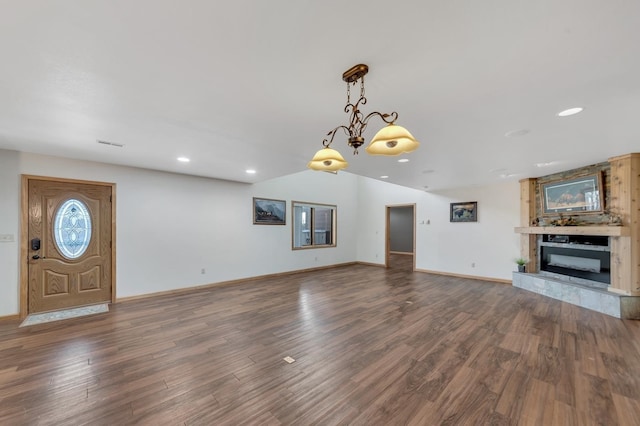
327,142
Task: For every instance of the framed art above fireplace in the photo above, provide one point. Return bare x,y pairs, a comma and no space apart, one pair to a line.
574,196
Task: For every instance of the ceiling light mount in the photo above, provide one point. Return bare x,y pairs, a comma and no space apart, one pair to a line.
390,140
355,73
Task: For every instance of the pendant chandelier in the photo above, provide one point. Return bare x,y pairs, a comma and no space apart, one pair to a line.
390,140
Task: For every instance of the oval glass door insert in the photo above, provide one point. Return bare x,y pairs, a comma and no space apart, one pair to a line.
72,228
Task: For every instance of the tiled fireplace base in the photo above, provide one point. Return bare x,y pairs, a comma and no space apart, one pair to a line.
606,302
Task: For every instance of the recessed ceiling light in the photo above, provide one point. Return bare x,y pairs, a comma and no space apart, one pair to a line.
570,111
183,159
507,175
250,172
547,164
384,177
501,169
403,160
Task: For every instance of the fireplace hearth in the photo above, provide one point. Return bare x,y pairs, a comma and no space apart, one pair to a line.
588,251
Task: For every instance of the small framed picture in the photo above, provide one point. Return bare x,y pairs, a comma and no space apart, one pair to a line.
269,212
464,212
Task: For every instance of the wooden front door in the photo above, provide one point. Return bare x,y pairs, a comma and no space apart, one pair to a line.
69,244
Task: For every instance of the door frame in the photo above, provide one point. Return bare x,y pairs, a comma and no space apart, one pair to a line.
24,235
387,240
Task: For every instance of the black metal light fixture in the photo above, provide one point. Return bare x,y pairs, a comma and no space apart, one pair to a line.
390,140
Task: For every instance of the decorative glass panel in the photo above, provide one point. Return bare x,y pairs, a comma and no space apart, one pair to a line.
72,228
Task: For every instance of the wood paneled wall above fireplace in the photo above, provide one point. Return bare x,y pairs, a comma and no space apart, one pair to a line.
621,177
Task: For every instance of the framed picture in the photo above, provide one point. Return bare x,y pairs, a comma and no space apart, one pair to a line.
269,212
464,212
578,195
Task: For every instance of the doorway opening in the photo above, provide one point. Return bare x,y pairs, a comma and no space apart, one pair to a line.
400,237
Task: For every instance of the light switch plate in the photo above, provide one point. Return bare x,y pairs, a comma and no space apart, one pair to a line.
6,238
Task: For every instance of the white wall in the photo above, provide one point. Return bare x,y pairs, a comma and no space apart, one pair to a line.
373,197
490,243
314,187
170,226
9,225
441,246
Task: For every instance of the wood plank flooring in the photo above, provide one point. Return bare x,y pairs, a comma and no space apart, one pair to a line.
373,346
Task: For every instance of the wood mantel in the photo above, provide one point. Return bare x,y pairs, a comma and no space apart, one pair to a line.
610,231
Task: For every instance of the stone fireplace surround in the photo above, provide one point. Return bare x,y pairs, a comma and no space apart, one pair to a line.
621,297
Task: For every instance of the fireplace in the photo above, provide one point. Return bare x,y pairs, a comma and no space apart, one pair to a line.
580,258
595,264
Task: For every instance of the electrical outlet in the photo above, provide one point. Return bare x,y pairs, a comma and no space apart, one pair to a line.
6,238
202,271
473,265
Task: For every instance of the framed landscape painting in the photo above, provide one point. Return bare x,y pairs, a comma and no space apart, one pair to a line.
578,195
269,212
464,212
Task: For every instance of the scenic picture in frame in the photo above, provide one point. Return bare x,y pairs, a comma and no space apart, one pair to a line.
464,212
578,195
269,212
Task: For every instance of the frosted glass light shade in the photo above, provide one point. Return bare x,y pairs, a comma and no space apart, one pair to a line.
392,140
327,160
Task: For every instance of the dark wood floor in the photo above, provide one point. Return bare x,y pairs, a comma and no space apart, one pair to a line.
372,347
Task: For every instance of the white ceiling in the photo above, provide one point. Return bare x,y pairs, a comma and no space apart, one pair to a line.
257,84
